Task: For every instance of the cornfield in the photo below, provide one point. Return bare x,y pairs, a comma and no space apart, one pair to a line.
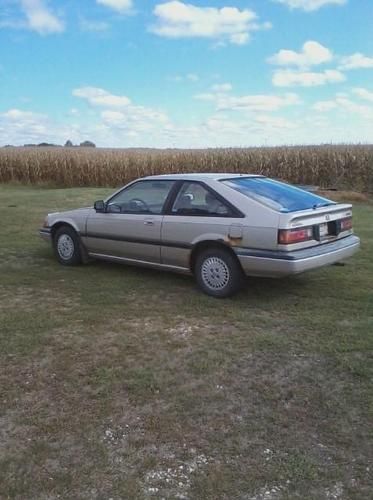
326,166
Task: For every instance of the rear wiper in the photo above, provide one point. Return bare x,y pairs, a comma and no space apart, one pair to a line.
320,205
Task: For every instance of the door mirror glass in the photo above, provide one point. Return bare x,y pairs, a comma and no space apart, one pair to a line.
99,206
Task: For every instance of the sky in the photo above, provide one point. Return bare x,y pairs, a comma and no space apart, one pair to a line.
188,74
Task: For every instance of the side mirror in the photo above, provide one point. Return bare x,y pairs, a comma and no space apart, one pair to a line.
99,206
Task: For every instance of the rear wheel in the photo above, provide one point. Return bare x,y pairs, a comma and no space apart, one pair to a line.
67,246
218,273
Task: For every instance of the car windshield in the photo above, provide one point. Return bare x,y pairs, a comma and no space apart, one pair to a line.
277,195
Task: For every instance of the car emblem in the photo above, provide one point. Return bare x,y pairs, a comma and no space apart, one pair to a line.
327,217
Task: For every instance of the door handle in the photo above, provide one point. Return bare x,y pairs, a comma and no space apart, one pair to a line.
149,223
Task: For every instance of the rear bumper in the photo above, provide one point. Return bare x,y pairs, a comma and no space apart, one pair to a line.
277,264
46,234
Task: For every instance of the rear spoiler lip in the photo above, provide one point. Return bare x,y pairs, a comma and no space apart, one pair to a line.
315,212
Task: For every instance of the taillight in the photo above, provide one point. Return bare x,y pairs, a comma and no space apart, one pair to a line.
346,224
289,236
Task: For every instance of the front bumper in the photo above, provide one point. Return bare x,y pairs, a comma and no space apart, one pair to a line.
46,234
278,264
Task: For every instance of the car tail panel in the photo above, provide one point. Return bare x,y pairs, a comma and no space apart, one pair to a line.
314,227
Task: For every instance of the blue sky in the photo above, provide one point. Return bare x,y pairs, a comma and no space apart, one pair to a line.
148,73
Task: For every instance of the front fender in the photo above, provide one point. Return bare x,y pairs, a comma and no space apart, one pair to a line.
68,222
79,228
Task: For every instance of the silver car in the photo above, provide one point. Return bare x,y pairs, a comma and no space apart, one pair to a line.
218,227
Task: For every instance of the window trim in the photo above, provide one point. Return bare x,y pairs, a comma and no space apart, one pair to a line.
235,213
138,181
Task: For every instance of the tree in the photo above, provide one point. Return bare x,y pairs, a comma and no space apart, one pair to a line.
87,144
69,144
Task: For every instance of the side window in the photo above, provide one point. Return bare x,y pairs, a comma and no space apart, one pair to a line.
143,197
194,199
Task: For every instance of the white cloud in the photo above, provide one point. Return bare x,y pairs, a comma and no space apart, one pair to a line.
215,93
94,26
20,127
274,122
221,124
290,78
113,117
227,131
17,114
17,126
324,106
120,113
224,100
222,87
356,61
312,53
137,126
121,6
343,103
363,94
207,96
310,5
221,130
100,97
352,107
40,18
256,103
190,77
176,19
240,38
134,125
136,119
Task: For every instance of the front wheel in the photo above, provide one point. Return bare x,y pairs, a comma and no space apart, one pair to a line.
67,246
218,273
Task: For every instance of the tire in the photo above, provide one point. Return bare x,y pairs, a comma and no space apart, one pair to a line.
67,246
218,273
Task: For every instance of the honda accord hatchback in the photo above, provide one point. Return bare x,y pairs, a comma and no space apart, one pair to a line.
218,227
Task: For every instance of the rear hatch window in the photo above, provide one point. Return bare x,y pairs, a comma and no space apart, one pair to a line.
277,195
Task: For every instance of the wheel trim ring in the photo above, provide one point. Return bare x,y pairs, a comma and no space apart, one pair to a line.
215,273
65,246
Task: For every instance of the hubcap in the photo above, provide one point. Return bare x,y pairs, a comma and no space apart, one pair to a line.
215,273
65,246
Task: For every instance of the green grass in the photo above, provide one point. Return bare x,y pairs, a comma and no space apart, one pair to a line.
126,383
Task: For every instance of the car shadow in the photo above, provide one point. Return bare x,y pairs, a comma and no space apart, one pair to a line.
255,288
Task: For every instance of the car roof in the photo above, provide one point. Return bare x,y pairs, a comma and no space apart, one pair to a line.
199,176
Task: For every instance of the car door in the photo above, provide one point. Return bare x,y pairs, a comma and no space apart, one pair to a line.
131,225
197,214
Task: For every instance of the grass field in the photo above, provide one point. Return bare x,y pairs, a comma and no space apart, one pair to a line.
124,383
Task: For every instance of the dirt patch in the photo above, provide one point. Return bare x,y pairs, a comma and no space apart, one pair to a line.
28,299
174,481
